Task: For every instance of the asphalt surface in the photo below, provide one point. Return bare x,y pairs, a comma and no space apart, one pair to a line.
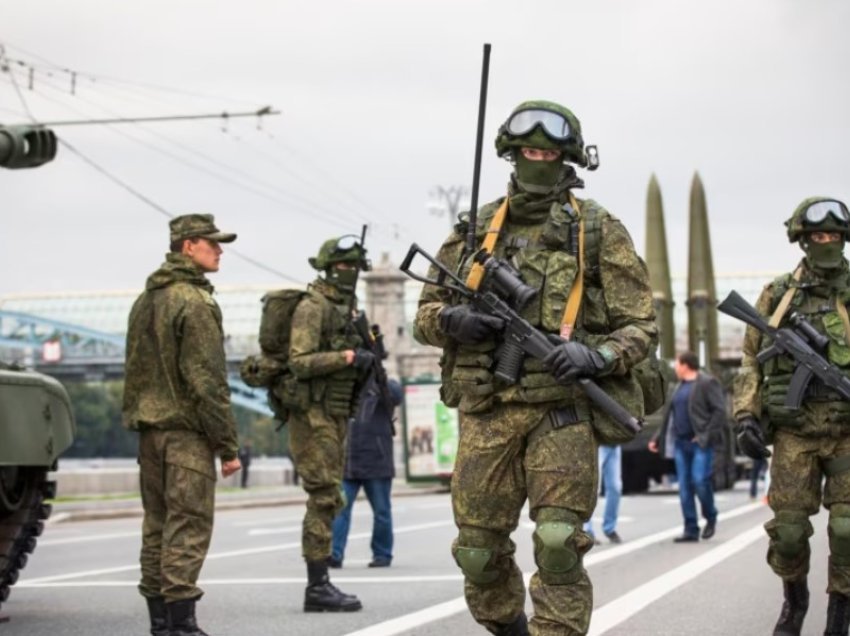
81,579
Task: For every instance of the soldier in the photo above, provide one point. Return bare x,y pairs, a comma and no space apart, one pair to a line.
813,442
328,363
176,396
537,439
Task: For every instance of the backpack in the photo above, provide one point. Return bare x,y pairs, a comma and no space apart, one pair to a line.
269,369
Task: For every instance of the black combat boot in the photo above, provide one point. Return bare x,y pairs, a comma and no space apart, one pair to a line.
182,617
793,609
322,595
837,615
519,627
159,616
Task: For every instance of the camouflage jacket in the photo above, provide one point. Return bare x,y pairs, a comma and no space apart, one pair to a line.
760,390
616,315
176,376
317,344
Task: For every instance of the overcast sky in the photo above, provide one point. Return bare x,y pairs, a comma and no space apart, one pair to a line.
379,101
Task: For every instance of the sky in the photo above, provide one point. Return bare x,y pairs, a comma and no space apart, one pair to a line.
378,102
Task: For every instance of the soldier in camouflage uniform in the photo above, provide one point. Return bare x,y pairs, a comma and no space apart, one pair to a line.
328,363
537,438
176,396
813,442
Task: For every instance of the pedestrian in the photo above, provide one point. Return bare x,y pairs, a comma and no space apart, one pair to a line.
245,460
811,445
176,396
692,423
370,464
611,477
755,476
535,439
329,364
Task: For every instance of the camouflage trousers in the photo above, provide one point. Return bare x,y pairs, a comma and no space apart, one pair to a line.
177,477
505,456
797,488
317,441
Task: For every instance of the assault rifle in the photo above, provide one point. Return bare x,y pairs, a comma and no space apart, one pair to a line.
801,342
373,340
518,331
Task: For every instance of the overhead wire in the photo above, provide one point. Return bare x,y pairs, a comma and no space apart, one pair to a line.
149,202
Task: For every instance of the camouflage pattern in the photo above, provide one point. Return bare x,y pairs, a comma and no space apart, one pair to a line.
573,148
316,437
176,395
197,226
177,478
796,225
329,254
804,441
176,378
508,451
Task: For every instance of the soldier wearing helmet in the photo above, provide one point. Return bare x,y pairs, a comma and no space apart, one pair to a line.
535,438
813,442
329,364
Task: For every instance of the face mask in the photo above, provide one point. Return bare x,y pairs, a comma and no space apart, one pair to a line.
542,174
824,255
342,279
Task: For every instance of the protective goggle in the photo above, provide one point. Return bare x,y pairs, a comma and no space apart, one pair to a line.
555,125
816,213
347,242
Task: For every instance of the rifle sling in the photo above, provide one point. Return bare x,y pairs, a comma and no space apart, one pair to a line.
476,274
568,322
845,319
782,307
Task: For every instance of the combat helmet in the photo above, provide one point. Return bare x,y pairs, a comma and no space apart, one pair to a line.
819,214
546,125
344,249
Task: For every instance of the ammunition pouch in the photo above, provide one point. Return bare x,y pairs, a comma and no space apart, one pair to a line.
778,415
290,393
837,351
336,392
260,370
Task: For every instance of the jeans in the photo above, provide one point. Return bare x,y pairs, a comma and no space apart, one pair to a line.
611,475
694,470
378,493
755,474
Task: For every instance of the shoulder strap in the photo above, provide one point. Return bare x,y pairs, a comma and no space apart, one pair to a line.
476,274
782,307
568,322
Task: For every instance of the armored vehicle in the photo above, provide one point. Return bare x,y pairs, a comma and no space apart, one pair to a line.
36,422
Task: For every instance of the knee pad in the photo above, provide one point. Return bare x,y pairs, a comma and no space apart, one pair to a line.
789,532
839,534
477,552
558,546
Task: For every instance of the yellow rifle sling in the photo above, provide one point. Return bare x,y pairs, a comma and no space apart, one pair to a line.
568,322
476,274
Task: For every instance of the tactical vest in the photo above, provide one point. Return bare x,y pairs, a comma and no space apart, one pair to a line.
545,255
822,407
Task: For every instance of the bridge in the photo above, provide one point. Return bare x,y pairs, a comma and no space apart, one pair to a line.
75,352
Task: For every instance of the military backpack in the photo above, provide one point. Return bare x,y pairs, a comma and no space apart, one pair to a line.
270,369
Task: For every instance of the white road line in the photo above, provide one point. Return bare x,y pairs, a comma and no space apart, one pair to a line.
58,517
343,580
89,538
225,555
444,610
261,532
626,606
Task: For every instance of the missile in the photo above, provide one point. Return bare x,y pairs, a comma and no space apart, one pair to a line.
659,270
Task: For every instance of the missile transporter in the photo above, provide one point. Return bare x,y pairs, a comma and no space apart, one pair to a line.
36,421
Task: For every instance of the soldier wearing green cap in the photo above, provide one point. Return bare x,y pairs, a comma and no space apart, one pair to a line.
811,445
329,364
176,396
536,438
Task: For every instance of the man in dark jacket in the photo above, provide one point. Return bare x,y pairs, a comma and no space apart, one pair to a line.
369,464
693,420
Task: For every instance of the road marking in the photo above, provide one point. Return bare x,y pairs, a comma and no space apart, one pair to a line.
225,555
93,537
58,517
261,532
398,625
344,580
616,612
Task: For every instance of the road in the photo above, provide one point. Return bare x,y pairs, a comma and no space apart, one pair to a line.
81,579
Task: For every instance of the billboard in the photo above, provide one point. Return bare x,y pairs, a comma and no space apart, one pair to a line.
430,433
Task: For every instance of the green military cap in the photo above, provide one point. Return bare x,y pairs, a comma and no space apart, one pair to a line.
197,225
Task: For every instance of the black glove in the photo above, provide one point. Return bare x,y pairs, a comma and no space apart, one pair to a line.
468,326
751,439
571,360
363,359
